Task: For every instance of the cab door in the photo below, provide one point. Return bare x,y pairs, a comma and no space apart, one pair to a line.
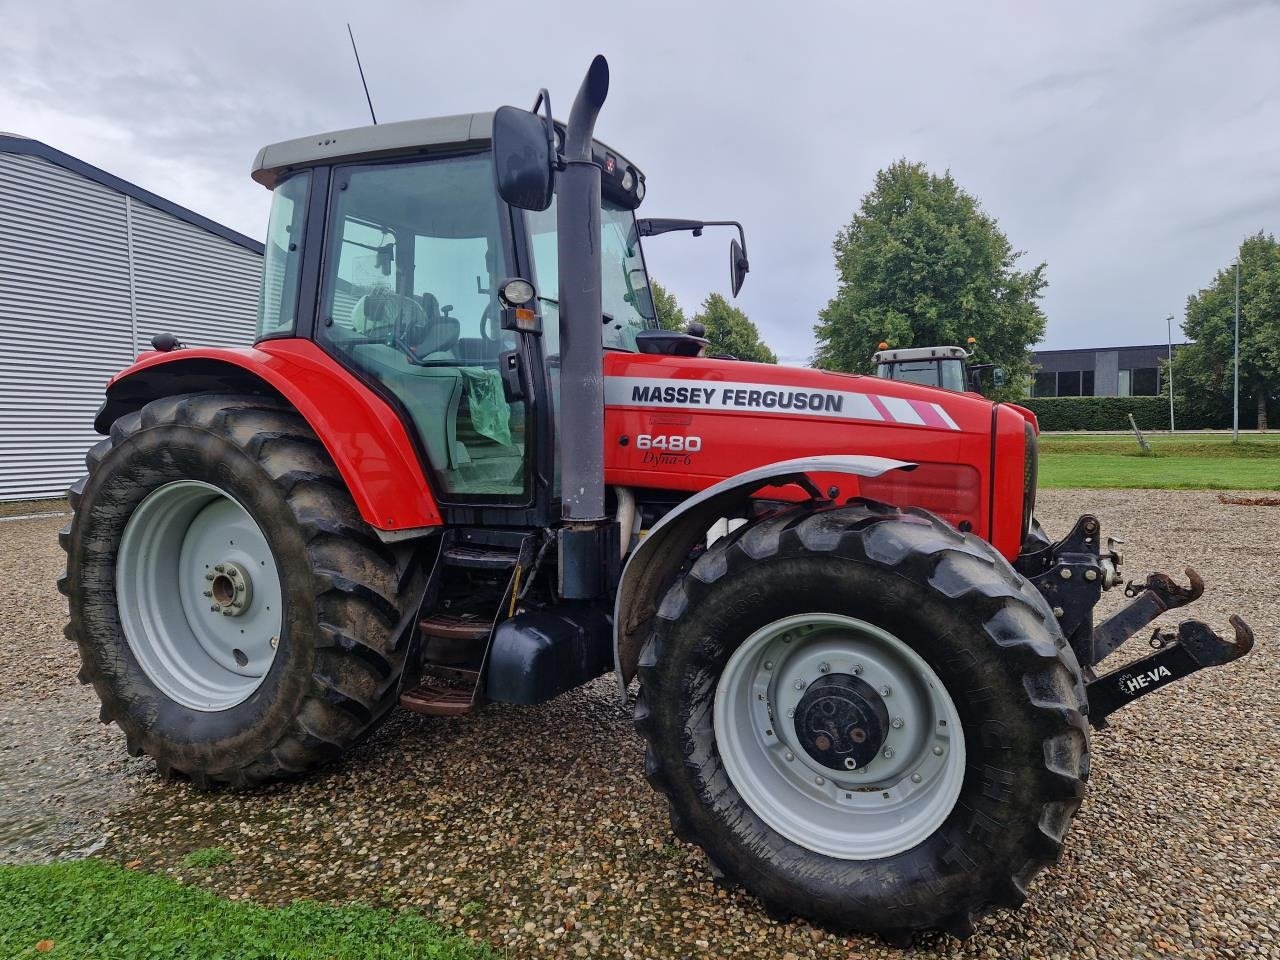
414,255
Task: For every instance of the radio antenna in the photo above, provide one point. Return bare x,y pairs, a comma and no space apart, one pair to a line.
363,82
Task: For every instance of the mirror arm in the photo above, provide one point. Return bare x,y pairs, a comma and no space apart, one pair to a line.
653,226
544,100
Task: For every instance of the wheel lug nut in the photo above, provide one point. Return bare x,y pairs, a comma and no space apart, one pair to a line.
937,751
824,668
885,690
791,713
897,723
208,576
850,763
916,778
888,753
857,669
213,608
799,684
1065,573
768,664
221,568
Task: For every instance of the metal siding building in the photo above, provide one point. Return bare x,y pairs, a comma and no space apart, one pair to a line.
91,268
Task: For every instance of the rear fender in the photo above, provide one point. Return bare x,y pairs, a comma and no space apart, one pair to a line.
654,564
362,433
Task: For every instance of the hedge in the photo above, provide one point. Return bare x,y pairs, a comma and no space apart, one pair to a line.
1109,413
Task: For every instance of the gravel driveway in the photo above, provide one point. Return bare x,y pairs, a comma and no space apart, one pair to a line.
533,827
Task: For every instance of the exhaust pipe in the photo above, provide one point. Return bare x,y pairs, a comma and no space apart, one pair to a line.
581,355
588,541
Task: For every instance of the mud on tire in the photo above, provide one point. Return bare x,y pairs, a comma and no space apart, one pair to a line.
336,668
983,629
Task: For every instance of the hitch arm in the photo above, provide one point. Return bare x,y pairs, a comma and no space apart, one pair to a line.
1159,594
1194,648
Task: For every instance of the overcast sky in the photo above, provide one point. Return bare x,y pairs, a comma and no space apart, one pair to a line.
1131,146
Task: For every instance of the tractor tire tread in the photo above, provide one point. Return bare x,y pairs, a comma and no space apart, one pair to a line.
927,549
354,578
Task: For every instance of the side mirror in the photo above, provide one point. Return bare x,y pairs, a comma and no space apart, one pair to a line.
738,266
522,162
997,377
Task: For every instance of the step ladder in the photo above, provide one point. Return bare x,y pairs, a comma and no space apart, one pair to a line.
476,587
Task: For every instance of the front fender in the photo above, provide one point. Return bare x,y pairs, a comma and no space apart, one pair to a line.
363,434
655,562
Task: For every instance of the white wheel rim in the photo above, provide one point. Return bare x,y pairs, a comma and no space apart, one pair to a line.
199,596
897,800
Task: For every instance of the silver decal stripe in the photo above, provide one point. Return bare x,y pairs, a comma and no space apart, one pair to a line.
657,394
901,410
942,412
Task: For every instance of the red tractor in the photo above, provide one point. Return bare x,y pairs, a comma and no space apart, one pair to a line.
462,464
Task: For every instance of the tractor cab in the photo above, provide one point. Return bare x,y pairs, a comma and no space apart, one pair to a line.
946,367
398,237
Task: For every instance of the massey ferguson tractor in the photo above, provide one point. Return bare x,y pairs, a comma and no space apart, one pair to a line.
462,464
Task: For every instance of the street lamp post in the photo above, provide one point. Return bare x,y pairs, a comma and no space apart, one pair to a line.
1168,323
1235,396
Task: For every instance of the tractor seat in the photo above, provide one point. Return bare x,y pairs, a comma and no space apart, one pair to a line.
441,332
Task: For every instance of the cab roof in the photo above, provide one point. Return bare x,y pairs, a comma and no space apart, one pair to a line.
920,353
464,131
405,136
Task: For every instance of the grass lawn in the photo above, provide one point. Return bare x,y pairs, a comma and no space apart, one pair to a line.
1190,462
96,911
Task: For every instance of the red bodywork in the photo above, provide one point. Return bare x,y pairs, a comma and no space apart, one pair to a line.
683,423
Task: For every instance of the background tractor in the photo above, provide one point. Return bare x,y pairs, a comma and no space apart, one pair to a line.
461,464
951,368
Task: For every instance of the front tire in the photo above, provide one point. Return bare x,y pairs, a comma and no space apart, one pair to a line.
916,825
235,615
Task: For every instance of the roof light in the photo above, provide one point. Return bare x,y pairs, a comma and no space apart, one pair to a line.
628,180
639,190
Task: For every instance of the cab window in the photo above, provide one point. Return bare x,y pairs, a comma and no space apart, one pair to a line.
414,257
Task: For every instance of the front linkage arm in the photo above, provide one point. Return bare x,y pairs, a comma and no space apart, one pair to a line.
1194,647
1072,573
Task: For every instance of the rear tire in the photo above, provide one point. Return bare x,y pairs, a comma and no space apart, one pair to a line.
973,624
329,675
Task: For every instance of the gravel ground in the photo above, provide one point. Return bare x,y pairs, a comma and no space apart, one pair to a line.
533,828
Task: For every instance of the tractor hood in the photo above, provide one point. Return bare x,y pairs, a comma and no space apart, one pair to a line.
685,423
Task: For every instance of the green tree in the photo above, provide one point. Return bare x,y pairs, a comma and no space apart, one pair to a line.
921,264
731,332
1203,370
670,315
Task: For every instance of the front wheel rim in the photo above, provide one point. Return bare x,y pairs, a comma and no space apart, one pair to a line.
199,596
891,803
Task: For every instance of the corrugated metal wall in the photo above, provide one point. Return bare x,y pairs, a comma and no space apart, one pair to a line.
71,314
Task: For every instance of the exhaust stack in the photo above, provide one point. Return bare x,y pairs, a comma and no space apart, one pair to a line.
581,355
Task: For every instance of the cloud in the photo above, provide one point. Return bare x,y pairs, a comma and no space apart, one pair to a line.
1129,146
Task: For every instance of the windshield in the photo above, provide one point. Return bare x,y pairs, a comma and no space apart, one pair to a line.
948,374
624,293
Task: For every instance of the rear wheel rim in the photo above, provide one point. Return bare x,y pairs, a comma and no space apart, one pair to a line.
199,595
892,803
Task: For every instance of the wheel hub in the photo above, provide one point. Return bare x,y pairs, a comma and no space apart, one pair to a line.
230,589
841,722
